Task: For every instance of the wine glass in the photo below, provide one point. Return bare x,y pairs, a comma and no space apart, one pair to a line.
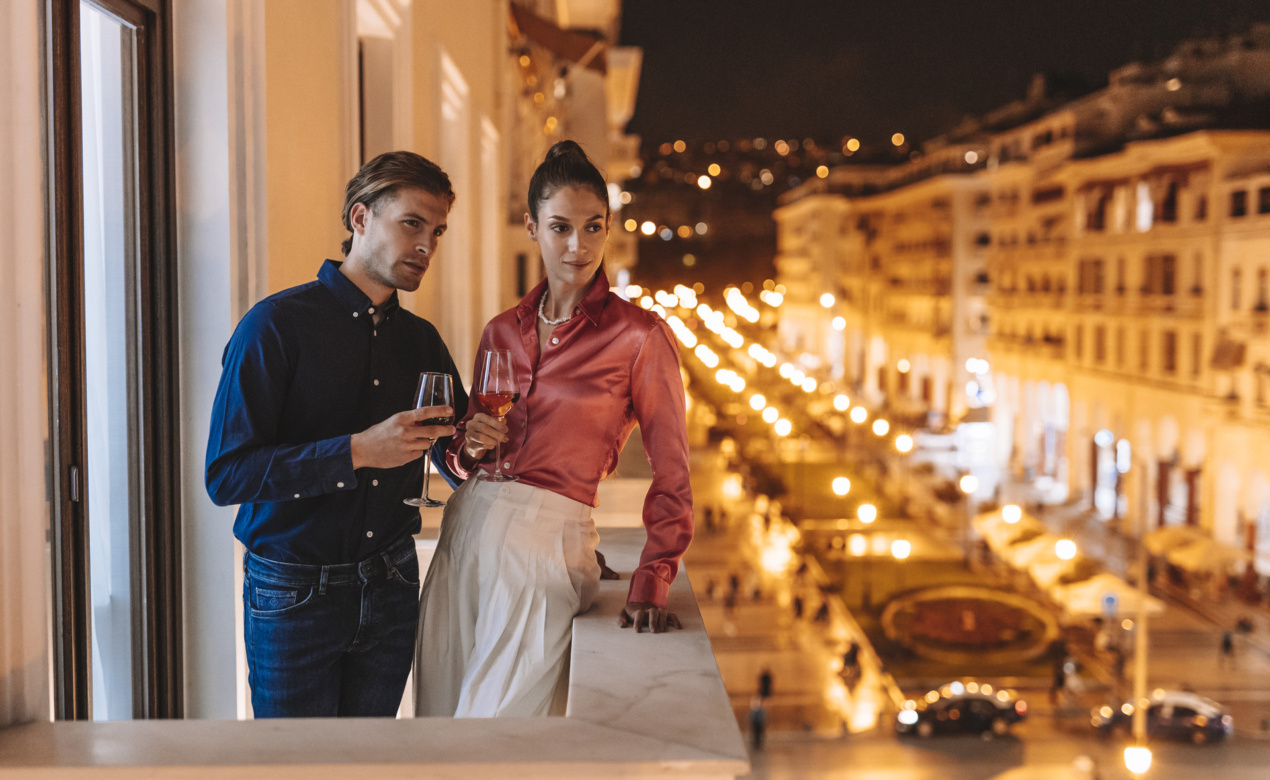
434,390
496,391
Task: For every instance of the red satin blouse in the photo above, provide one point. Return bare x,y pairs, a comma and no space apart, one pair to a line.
611,366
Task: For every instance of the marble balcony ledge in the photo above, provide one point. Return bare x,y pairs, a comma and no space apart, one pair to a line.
639,706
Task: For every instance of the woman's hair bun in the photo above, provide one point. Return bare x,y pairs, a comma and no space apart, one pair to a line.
566,165
565,148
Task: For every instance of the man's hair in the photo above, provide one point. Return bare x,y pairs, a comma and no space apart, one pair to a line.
379,180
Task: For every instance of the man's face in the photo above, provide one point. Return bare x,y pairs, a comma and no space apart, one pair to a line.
401,236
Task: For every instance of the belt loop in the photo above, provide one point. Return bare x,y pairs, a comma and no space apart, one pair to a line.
326,573
388,564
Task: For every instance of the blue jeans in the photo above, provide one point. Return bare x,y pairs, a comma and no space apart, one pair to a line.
325,641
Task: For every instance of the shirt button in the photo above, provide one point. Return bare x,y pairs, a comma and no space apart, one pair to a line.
507,465
374,332
339,484
297,495
374,483
371,310
376,383
555,340
354,314
369,534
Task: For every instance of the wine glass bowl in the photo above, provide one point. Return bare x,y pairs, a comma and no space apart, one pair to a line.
434,389
496,391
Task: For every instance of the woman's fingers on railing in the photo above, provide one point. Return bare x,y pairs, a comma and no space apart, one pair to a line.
639,614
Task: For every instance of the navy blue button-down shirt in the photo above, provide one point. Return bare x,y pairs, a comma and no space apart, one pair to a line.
305,369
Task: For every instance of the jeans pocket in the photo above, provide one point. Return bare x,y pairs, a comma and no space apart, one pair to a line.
271,600
407,573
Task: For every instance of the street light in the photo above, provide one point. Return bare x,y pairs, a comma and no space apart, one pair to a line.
1011,513
968,484
841,486
841,402
880,427
867,513
900,550
1137,759
904,443
1065,549
859,414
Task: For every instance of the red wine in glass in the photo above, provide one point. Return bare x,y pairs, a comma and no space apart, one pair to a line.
434,389
496,391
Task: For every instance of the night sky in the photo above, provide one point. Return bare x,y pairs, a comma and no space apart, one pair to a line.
716,69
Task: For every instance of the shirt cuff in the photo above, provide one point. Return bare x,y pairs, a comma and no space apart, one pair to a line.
648,587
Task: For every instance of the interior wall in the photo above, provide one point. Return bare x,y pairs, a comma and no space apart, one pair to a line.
307,135
24,413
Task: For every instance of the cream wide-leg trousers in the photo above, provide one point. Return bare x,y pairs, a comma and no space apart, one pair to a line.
512,567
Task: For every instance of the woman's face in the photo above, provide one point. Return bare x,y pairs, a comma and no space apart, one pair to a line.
571,230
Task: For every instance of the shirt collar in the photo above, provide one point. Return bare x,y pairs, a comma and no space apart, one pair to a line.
591,304
348,295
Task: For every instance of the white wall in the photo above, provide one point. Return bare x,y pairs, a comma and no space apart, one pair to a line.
24,508
220,250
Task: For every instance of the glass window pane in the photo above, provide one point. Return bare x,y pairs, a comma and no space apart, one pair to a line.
109,185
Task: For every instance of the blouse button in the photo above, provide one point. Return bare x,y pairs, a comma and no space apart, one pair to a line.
555,340
507,465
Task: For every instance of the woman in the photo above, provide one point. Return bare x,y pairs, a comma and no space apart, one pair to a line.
516,560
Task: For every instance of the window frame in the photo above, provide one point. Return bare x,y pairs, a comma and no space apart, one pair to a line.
156,572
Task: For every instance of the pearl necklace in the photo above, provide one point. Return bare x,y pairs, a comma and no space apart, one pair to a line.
542,315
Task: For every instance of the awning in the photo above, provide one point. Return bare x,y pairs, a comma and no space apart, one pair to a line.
583,48
1086,598
1162,540
1208,555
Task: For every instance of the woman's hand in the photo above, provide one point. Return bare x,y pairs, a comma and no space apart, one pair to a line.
483,432
642,613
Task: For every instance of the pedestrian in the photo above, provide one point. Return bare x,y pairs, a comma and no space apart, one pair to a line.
1059,682
1227,649
515,561
798,607
758,722
851,660
320,457
712,589
822,613
708,515
765,683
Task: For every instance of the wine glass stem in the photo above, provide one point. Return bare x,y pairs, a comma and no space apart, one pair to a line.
498,455
427,472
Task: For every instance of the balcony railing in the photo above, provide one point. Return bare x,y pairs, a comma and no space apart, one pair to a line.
639,706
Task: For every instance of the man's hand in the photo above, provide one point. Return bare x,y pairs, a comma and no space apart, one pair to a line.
642,613
399,439
605,572
482,433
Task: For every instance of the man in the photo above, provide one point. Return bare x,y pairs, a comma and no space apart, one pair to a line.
314,432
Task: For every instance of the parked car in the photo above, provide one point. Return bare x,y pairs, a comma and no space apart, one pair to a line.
1180,715
962,708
